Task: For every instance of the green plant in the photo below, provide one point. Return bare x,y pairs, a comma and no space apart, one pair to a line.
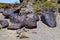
49,4
37,5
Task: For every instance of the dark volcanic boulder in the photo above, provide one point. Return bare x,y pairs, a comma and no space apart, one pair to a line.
17,19
7,12
36,17
22,18
4,23
13,18
49,19
14,27
30,23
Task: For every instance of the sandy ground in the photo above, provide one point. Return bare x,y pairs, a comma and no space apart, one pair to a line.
42,32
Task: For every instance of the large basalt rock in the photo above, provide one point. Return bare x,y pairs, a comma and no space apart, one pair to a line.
36,17
30,23
4,23
17,19
8,11
6,14
49,19
13,18
14,27
22,18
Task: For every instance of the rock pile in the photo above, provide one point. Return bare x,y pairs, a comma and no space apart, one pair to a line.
19,18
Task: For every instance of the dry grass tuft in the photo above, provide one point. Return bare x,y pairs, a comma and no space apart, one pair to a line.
23,35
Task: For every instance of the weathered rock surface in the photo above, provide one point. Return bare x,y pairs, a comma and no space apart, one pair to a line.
49,19
4,23
36,17
30,23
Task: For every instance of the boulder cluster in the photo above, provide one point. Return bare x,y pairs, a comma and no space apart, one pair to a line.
19,19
